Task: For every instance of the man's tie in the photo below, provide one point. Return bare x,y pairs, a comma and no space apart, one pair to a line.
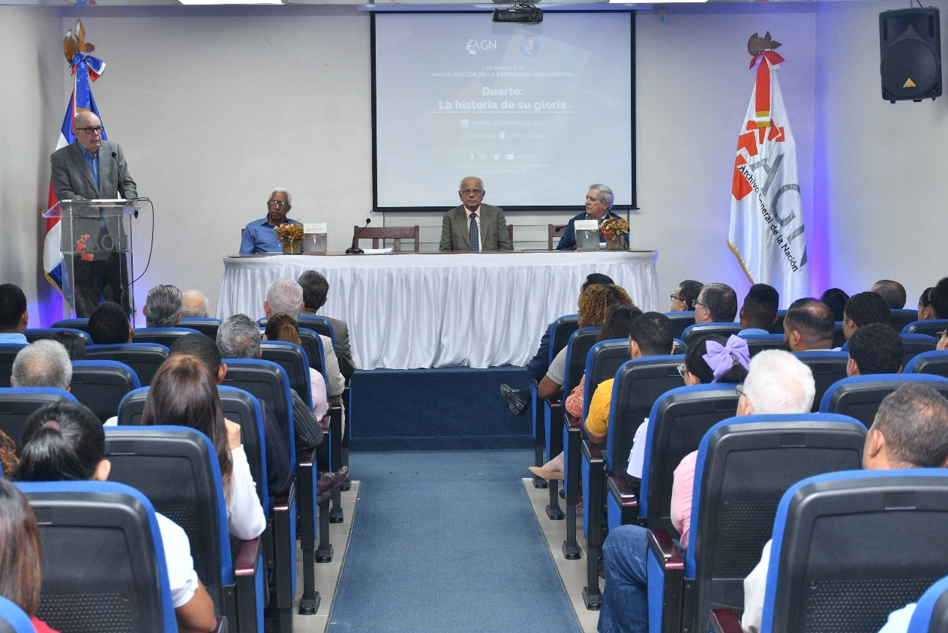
475,237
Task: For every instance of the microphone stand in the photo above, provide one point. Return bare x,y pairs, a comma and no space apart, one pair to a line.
355,250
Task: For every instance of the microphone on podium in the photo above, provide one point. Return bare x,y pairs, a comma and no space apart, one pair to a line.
355,250
121,187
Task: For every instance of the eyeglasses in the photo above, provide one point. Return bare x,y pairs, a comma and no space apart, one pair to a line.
681,370
941,334
89,130
739,390
476,192
700,304
278,203
675,298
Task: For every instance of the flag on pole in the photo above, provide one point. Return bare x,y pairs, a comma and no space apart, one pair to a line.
85,69
766,233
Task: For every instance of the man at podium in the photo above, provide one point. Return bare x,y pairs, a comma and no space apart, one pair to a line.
94,169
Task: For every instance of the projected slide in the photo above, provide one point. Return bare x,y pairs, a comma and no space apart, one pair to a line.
538,111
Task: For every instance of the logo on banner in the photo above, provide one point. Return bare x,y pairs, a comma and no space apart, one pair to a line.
473,46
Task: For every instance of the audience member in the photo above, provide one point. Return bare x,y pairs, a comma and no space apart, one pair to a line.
259,236
13,314
65,442
625,598
939,300
109,324
286,296
315,291
892,291
836,300
472,225
875,349
808,326
44,363
685,295
910,430
599,201
862,309
279,476
74,343
519,399
925,310
759,311
283,327
716,303
183,393
163,306
194,305
20,555
8,458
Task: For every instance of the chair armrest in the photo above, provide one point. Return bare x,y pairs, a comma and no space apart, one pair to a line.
723,621
221,626
307,475
667,554
625,498
667,581
591,452
248,587
573,422
246,561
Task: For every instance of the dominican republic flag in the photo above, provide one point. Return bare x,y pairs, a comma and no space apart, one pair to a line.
85,69
766,233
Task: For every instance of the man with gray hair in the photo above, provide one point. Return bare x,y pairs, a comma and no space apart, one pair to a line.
259,235
285,296
315,289
717,303
599,201
163,306
194,305
45,363
473,226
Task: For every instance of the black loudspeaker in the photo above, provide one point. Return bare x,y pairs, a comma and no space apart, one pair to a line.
910,40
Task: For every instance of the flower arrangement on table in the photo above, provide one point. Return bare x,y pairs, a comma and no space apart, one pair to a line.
613,229
291,236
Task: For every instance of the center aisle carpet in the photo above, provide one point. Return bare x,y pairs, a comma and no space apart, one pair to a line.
446,542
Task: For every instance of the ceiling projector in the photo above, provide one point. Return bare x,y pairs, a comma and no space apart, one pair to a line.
519,14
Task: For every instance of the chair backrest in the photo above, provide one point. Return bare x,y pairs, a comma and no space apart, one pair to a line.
851,547
75,324
161,335
242,408
381,233
860,396
744,466
681,321
176,467
916,344
18,404
103,563
13,619
901,318
131,407
207,326
560,331
292,359
677,422
935,362
839,338
268,382
697,330
101,385
928,326
8,352
602,363
777,327
759,342
827,368
313,346
679,347
318,324
931,612
36,334
638,384
143,358
553,230
580,343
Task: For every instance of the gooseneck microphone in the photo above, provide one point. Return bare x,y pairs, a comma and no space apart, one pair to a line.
355,250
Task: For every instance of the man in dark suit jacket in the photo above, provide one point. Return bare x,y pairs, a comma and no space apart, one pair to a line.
599,200
491,224
94,169
315,288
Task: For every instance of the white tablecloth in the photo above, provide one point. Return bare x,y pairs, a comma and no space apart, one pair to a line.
415,310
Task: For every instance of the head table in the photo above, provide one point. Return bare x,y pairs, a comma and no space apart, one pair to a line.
418,310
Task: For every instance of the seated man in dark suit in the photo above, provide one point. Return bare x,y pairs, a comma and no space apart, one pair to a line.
599,201
315,288
473,226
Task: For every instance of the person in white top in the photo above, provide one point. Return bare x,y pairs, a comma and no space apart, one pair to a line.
183,392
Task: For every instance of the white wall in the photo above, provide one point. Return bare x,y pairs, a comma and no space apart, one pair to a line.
215,107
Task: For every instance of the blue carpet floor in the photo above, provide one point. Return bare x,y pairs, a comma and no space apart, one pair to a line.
446,542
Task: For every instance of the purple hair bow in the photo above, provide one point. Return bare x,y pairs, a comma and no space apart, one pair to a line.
721,358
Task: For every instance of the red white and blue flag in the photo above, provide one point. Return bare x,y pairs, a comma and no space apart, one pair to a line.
766,232
85,69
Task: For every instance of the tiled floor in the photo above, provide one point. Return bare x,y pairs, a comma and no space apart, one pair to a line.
572,572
